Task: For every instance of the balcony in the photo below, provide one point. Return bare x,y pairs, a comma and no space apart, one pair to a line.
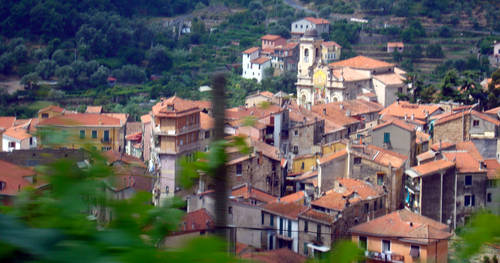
178,149
384,257
174,132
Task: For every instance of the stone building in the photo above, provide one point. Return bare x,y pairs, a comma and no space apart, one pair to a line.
398,136
403,236
347,204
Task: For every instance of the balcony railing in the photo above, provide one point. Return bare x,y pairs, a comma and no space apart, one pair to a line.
174,132
384,257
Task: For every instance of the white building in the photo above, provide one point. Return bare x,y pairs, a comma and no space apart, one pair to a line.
253,65
301,26
17,139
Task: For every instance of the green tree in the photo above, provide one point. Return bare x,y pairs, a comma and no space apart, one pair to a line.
46,68
159,59
99,77
434,51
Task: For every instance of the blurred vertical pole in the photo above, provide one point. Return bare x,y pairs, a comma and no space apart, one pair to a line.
218,106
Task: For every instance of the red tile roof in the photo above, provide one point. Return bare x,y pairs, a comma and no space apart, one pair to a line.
198,220
334,114
358,106
433,167
146,118
288,210
405,226
470,147
386,157
52,108
318,216
317,21
442,146
134,137
266,94
175,107
426,156
251,50
331,200
17,133
81,119
402,108
266,149
396,122
464,162
270,37
93,109
493,167
331,44
364,189
113,156
422,137
361,62
333,156
260,60
246,192
390,79
458,115
7,122
292,198
395,44
493,111
14,178
273,256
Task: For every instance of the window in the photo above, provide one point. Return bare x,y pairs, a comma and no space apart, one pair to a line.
12,144
207,134
357,160
94,134
386,245
400,90
31,140
271,221
262,218
306,226
45,115
281,225
387,137
239,169
488,197
82,134
468,180
363,242
229,210
302,166
380,205
106,136
367,208
469,200
415,251
306,250
375,205
295,149
318,232
475,123
296,132
289,228
2,185
380,178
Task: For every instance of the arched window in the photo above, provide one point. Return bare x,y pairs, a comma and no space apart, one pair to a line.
2,185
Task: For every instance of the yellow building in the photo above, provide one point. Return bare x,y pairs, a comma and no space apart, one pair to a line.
103,131
332,147
50,111
303,163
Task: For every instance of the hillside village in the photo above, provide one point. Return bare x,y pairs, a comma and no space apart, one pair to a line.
342,158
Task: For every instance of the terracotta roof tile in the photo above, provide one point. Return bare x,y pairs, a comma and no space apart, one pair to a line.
334,114
493,168
266,149
113,156
470,147
390,79
361,62
267,94
134,137
121,116
292,198
426,156
358,106
397,122
402,108
433,167
457,115
317,21
348,74
81,119
288,210
331,200
7,121
318,216
14,178
146,118
386,157
175,106
406,226
251,50
52,108
364,189
422,137
17,133
444,145
197,221
260,60
395,44
270,37
246,192
464,162
93,109
493,111
333,156
331,44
